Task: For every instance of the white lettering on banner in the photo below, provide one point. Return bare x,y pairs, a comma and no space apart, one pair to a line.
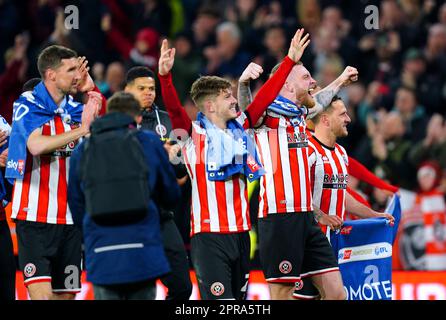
379,250
370,291
429,291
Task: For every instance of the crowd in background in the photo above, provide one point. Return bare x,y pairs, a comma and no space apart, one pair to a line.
397,107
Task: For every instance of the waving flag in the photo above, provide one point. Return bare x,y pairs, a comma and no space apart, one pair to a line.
364,251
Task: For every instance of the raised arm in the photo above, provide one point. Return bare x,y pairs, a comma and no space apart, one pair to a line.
177,114
244,96
269,91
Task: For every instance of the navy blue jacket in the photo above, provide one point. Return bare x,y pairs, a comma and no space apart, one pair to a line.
131,253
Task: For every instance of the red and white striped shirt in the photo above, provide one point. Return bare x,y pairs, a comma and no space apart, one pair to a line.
329,177
217,206
283,150
41,196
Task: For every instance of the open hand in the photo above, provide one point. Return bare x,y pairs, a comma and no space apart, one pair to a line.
298,45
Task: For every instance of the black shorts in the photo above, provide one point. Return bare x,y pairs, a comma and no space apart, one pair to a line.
291,246
222,264
50,253
305,290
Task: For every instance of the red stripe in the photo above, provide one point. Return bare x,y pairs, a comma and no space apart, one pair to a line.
279,188
307,180
430,218
262,198
200,173
438,247
279,280
237,201
27,283
186,160
45,161
62,184
340,192
295,173
220,191
24,200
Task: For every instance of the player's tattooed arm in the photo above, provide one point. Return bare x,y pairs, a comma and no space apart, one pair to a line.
252,72
244,95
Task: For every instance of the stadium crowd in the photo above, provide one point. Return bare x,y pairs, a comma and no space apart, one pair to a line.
397,128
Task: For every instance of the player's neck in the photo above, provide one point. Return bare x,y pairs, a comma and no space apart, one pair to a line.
56,94
325,136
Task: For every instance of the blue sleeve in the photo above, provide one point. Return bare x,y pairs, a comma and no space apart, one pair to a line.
76,200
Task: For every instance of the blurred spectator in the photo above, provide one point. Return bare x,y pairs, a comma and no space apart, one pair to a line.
433,146
155,14
9,26
114,78
226,58
204,27
309,14
413,115
355,94
98,72
385,150
187,64
12,79
143,51
275,42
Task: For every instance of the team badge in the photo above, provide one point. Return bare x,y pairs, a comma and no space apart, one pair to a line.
217,289
299,285
29,270
161,130
285,267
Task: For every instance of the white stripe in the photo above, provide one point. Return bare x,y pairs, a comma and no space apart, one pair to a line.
53,186
213,206
435,261
302,177
315,160
67,290
334,192
286,170
283,278
315,273
229,188
69,217
345,172
263,140
119,247
33,200
17,196
196,209
245,211
429,235
433,204
36,278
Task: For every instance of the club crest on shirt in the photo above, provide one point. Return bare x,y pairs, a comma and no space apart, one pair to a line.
217,289
161,130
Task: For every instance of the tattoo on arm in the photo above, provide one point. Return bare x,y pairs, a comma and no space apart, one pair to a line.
244,95
317,214
324,97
